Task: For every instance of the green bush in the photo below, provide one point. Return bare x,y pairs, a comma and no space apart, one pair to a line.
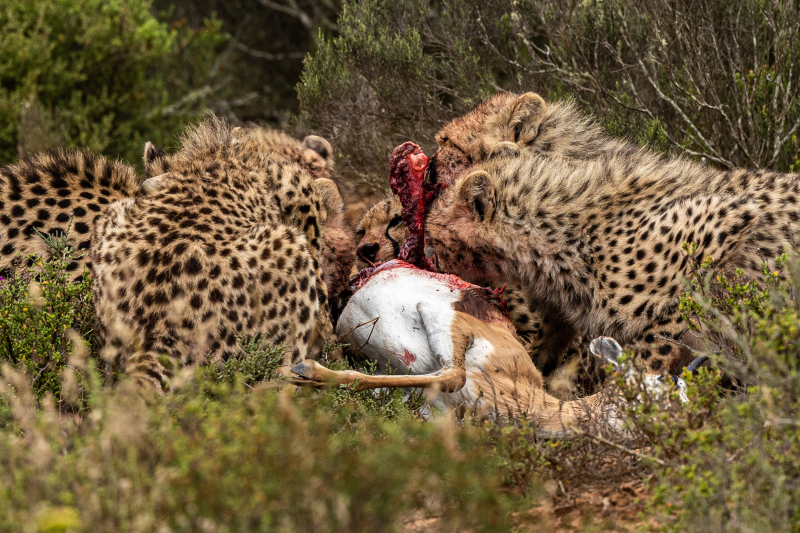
712,79
735,468
42,314
396,71
260,459
100,75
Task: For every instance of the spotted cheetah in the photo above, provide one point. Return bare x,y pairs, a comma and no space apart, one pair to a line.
232,243
314,154
602,241
528,124
381,232
50,192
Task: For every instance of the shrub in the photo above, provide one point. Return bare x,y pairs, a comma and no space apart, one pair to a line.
712,79
99,75
256,460
40,314
736,468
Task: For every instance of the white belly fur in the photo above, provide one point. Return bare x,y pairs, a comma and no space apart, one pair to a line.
392,297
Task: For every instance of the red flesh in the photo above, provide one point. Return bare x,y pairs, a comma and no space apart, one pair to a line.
406,172
406,178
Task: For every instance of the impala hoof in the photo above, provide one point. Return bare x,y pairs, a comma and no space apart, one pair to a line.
304,369
606,348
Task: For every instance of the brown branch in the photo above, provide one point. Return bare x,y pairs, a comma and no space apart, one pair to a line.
267,55
606,442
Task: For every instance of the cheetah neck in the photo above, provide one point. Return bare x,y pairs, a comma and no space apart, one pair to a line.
567,133
554,266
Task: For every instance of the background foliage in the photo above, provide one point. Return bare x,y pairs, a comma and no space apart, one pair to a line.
99,75
711,79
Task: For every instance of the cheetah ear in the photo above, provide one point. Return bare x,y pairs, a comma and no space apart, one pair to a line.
152,157
477,191
331,199
320,146
528,114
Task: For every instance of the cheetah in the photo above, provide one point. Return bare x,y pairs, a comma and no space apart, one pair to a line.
233,242
314,154
381,231
531,126
602,241
527,127
51,192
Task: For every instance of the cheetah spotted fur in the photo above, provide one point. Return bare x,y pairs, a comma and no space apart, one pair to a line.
234,242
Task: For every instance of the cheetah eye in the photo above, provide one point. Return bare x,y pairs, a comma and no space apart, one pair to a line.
396,221
517,131
360,233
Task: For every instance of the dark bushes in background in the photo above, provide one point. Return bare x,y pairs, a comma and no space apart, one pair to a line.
711,79
100,75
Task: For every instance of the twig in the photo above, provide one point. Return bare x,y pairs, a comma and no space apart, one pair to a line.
677,343
781,422
40,373
373,321
268,56
292,10
619,447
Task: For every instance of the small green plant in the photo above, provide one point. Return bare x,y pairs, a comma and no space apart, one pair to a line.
258,364
39,308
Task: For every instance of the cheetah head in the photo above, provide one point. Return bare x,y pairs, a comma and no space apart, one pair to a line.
380,233
460,232
469,139
314,154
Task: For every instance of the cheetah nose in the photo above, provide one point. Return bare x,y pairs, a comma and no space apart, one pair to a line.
368,251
